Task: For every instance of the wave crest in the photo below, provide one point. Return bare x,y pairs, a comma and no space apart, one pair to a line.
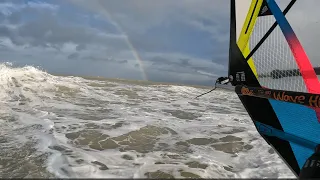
29,82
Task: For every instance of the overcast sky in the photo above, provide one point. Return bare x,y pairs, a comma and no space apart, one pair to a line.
175,41
184,41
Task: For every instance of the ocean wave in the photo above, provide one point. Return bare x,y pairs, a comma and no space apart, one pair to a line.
66,126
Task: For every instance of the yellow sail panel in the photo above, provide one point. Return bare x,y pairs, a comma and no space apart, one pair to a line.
242,7
247,28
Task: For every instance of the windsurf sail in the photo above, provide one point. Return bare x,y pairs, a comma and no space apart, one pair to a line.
279,80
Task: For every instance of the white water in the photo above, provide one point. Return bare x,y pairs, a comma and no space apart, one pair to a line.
41,108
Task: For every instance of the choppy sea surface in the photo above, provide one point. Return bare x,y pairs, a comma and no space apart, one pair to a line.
58,126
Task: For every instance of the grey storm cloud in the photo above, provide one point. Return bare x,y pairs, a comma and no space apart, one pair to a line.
73,56
81,47
14,18
185,62
158,60
122,61
100,59
139,18
183,65
46,29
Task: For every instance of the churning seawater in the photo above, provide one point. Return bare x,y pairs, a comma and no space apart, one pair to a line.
55,126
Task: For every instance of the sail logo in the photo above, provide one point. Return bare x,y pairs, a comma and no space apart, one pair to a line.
309,100
264,10
268,93
246,91
282,96
312,163
314,101
241,76
261,91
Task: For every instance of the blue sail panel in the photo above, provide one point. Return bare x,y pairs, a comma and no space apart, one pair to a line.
300,121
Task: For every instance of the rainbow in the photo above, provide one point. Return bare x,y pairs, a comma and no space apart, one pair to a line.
127,40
